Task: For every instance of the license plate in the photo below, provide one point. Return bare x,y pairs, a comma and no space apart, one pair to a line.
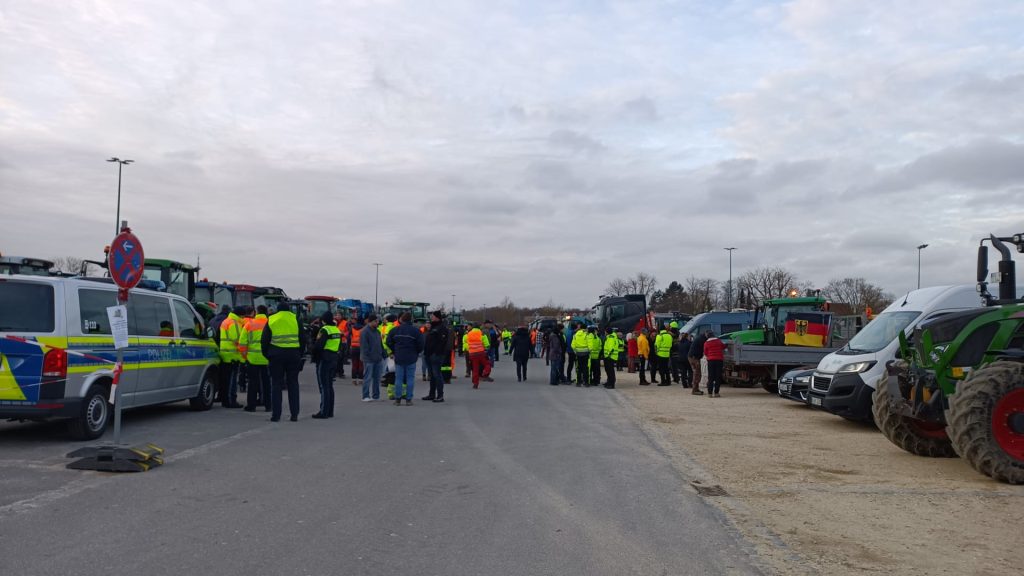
815,401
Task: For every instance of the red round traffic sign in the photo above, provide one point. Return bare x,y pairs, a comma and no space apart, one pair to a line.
126,260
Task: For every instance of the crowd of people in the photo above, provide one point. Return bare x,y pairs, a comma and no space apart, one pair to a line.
262,355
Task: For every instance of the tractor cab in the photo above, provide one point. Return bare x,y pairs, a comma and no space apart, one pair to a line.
777,318
28,266
178,278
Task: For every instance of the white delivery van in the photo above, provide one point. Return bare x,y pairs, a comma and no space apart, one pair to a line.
845,380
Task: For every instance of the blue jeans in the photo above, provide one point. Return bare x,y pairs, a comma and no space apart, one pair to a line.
405,380
371,374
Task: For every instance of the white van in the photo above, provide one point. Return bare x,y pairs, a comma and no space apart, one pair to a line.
57,351
844,381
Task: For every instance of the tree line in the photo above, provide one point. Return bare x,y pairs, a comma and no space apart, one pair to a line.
694,295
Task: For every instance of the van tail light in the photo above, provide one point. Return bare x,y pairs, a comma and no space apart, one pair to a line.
55,364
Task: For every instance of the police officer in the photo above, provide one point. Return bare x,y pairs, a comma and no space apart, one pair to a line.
230,359
283,344
581,350
612,347
594,342
662,352
325,354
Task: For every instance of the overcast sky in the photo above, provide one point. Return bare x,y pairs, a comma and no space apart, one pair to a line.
534,150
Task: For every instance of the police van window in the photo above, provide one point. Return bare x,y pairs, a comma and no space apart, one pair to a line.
92,306
189,325
26,307
727,328
151,315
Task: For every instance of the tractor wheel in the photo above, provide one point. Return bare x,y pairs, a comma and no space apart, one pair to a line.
986,421
913,435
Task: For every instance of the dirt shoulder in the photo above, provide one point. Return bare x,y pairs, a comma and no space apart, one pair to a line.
818,494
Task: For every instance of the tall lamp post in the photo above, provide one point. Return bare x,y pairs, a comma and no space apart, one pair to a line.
730,275
919,248
120,164
376,284
453,303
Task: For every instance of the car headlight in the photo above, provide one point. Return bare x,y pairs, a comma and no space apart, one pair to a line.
856,367
803,379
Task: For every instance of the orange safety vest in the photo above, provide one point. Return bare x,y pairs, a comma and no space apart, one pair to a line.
355,337
533,337
343,327
475,342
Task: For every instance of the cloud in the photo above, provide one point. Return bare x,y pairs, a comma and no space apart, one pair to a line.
575,142
533,150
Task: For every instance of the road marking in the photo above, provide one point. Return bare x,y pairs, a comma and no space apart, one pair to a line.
95,479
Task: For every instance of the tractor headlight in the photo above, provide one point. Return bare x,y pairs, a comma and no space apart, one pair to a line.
856,367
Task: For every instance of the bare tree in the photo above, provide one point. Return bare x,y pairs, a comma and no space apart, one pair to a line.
702,294
617,287
767,282
858,293
73,265
642,283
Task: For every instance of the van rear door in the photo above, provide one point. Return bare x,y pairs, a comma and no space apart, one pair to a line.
27,311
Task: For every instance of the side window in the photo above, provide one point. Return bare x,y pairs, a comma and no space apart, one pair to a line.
152,315
727,328
92,305
702,328
189,325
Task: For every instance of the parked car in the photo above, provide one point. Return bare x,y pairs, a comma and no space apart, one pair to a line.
794,385
57,351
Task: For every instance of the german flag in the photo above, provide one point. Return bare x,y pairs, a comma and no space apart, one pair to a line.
807,329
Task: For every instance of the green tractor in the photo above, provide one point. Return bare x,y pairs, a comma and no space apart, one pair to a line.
958,388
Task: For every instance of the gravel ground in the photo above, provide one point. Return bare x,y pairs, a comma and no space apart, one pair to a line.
818,494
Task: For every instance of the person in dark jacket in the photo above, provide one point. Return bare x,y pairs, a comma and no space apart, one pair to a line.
683,353
371,354
696,353
285,361
556,354
437,348
325,355
406,343
521,350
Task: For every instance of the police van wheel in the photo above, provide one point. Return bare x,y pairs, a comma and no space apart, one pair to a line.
204,399
93,417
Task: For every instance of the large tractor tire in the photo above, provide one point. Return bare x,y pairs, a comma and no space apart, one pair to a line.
914,436
986,421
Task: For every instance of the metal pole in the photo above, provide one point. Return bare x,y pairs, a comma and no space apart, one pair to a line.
919,248
729,297
453,303
376,285
117,221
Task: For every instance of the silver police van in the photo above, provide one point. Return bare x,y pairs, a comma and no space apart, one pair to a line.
57,355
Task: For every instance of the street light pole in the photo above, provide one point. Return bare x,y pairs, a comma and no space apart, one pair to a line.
919,248
730,275
453,303
376,285
120,164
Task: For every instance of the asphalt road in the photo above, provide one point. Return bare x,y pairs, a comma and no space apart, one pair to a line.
513,478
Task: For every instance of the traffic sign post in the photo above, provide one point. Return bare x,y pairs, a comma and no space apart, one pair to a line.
126,262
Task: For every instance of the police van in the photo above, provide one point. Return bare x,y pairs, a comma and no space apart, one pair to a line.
57,355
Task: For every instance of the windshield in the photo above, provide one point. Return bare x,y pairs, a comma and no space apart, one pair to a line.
319,307
203,294
222,296
880,332
689,326
243,298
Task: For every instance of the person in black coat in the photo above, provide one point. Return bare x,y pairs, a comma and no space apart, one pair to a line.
683,352
521,349
437,349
